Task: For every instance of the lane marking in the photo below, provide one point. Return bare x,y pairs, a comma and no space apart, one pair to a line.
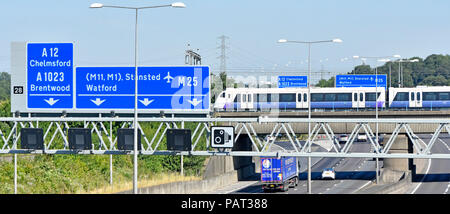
428,169
362,186
448,148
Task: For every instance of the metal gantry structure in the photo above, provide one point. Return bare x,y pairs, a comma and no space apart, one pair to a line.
56,138
105,141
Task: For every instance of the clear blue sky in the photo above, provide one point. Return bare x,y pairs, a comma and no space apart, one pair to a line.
106,36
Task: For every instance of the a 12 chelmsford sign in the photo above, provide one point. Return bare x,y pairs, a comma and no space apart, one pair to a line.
50,75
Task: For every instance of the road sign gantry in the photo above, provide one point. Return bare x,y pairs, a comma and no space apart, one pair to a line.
44,80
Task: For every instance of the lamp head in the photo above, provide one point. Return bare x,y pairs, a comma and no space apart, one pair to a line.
384,60
282,41
337,40
96,5
397,56
178,5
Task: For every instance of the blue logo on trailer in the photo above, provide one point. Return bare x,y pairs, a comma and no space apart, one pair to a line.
292,81
50,75
159,88
361,80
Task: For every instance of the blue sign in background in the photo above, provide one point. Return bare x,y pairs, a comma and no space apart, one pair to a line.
363,80
50,75
171,88
292,81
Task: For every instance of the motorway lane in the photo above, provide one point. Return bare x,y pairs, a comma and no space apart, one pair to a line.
351,174
436,179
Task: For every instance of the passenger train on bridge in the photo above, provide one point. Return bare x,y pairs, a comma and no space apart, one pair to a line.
364,98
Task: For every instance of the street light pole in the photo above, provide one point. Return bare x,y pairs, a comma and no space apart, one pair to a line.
400,70
309,118
136,78
381,58
309,43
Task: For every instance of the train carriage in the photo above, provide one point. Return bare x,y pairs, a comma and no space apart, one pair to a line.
256,99
421,97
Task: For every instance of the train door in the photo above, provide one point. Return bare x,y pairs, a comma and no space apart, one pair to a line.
299,101
302,100
359,100
247,101
250,100
415,98
419,99
237,102
305,100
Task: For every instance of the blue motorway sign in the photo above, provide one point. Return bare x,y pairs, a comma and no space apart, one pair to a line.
292,81
50,75
159,88
363,80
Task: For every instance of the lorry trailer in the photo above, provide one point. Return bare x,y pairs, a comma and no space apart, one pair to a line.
279,173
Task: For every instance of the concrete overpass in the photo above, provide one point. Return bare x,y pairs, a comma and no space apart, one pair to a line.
337,114
343,128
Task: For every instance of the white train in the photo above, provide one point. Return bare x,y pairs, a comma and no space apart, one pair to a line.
255,99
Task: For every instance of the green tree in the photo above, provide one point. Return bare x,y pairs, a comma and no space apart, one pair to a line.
362,69
5,85
435,81
326,83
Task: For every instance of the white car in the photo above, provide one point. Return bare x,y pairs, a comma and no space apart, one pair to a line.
328,173
362,137
343,138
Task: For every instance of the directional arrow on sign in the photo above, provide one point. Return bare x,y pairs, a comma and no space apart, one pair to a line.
98,101
195,102
51,101
146,101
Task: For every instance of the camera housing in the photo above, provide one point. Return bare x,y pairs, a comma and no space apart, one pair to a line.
222,137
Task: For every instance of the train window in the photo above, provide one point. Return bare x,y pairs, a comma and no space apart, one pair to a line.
316,97
401,96
287,97
412,96
428,96
330,97
305,97
418,96
371,96
347,97
262,98
244,98
355,97
299,97
249,97
229,96
268,98
361,97
237,99
443,96
274,97
222,94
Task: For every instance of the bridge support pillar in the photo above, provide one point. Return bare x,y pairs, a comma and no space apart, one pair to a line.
244,165
395,168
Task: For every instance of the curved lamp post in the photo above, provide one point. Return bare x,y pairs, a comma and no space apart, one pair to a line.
135,125
309,43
